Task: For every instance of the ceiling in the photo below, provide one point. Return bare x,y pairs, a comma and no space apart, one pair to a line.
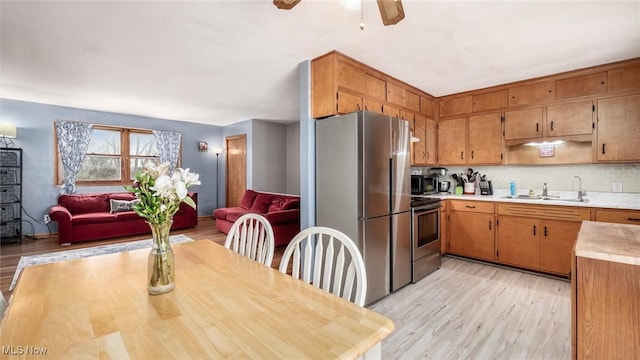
220,62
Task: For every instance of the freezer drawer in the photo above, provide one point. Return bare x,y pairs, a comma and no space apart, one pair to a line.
375,252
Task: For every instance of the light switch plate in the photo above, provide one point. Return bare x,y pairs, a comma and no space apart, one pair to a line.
617,187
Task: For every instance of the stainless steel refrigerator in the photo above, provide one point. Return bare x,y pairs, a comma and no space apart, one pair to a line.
363,189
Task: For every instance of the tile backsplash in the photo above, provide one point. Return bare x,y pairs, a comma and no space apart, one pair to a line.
595,177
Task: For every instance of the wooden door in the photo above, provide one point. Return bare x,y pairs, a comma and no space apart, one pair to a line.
519,241
523,124
619,129
472,234
570,119
452,141
556,245
485,139
236,169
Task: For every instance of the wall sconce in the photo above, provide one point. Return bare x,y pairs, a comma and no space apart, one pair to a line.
7,132
203,146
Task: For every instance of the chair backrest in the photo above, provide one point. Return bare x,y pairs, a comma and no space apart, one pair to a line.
329,260
252,236
3,304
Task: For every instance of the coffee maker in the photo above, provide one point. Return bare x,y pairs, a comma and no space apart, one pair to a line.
436,178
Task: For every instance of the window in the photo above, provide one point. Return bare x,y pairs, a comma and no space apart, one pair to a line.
114,156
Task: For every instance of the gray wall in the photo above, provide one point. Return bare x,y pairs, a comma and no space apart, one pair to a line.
269,155
293,158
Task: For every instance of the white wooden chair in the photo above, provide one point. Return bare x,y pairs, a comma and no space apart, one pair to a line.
3,305
329,260
252,236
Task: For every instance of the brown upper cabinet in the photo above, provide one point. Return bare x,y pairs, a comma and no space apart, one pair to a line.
340,84
534,93
452,141
453,106
570,119
624,79
619,129
490,100
523,124
424,151
584,85
485,139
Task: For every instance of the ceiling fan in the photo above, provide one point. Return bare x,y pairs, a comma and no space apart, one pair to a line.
391,11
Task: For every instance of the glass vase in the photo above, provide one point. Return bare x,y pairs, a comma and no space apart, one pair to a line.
160,266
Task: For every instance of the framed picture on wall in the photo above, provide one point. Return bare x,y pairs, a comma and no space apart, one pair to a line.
203,146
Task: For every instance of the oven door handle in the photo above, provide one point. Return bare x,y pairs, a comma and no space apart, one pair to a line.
425,210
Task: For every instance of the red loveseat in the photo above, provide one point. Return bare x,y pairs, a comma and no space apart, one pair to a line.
282,211
83,217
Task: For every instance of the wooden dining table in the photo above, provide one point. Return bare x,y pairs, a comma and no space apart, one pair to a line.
224,305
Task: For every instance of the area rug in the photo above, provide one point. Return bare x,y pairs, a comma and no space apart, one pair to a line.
45,258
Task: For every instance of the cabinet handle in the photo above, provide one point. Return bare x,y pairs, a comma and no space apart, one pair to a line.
472,154
358,106
537,127
603,148
545,231
534,229
427,155
490,225
633,219
552,126
462,155
470,206
367,109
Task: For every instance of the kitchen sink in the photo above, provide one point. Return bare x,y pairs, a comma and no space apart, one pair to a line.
538,198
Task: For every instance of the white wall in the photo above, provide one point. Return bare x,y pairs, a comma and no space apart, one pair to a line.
595,177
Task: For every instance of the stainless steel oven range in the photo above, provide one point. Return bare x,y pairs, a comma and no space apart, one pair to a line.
425,238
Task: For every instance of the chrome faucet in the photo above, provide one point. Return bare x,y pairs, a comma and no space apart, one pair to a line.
544,190
580,192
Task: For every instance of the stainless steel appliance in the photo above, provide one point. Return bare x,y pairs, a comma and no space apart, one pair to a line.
363,189
425,241
417,185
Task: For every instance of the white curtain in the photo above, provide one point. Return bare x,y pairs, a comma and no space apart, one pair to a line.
73,142
168,145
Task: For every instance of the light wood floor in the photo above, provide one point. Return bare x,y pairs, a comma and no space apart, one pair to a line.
464,310
468,310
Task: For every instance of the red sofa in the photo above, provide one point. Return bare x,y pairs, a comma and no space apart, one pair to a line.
83,217
282,211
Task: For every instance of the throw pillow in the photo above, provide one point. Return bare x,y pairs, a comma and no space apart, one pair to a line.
291,204
122,205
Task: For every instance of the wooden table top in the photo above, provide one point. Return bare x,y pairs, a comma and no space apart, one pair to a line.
223,305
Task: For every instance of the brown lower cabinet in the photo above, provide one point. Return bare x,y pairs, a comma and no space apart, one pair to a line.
471,229
538,237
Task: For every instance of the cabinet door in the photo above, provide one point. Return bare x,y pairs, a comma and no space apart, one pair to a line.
619,129
556,244
624,79
519,241
390,111
395,94
491,100
419,131
523,124
376,87
348,103
534,93
373,106
584,85
427,106
452,140
570,119
485,139
351,76
411,100
456,106
430,142
619,216
472,234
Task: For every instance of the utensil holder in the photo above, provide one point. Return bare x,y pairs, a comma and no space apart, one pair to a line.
470,188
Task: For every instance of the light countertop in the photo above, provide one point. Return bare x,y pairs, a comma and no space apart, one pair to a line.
609,242
628,201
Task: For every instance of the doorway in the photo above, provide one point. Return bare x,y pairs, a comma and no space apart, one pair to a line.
236,166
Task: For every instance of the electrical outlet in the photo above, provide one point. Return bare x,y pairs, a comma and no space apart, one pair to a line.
47,219
617,186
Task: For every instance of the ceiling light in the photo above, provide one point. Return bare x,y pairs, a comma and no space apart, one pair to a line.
545,143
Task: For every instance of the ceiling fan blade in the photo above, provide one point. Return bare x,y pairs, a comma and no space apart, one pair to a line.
285,4
391,11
